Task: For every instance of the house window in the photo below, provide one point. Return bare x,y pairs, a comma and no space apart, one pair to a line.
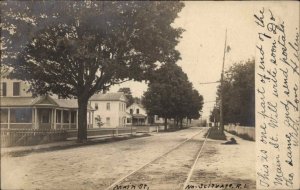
65,116
108,120
96,106
128,120
131,111
107,106
16,89
4,89
21,115
4,115
137,111
58,116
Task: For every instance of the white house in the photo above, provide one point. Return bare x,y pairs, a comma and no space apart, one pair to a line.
111,108
138,115
20,110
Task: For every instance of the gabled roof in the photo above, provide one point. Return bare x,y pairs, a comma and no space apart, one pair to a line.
116,96
136,105
67,103
44,101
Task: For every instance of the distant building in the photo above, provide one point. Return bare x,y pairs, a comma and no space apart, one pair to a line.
20,110
138,115
110,108
158,120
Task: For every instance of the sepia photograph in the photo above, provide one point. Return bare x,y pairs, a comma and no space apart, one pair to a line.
149,95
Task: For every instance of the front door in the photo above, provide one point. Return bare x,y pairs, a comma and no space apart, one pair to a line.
45,118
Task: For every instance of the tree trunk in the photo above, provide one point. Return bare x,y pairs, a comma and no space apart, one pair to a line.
82,120
174,123
181,126
166,123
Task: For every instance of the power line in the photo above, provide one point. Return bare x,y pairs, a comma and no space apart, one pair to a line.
209,82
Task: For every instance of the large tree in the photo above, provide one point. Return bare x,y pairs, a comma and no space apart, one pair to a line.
78,48
171,95
239,94
195,105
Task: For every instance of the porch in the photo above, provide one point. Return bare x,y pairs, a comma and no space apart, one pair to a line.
41,118
139,119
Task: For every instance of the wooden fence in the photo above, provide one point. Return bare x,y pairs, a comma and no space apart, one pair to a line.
147,128
110,132
25,137
242,131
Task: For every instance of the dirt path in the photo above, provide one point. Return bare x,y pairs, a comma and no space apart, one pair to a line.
99,166
226,164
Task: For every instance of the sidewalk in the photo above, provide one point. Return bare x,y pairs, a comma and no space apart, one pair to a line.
226,164
18,150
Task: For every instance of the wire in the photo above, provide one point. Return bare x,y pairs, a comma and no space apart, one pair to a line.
209,82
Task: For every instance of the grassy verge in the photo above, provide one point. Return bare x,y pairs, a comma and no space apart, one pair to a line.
216,134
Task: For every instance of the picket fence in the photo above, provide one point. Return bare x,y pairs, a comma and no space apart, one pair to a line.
26,137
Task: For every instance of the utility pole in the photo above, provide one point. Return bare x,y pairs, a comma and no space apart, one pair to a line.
222,85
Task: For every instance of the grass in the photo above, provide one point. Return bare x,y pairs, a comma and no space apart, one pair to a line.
216,134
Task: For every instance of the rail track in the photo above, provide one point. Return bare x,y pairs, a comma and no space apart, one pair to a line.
171,170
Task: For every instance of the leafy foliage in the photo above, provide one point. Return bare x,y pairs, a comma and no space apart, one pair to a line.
239,94
128,95
171,95
78,48
98,121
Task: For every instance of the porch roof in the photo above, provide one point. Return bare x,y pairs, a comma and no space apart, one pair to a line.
45,101
116,96
138,116
17,101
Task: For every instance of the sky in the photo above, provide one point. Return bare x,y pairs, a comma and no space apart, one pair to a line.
202,43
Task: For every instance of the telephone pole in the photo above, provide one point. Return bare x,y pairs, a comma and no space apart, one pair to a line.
222,85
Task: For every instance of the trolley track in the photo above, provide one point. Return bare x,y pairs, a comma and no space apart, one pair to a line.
171,170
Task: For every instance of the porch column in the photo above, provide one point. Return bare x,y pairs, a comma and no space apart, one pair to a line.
89,120
35,118
54,117
32,118
8,117
92,119
51,119
69,119
61,119
77,119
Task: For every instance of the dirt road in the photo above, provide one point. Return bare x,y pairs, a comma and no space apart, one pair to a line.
99,166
